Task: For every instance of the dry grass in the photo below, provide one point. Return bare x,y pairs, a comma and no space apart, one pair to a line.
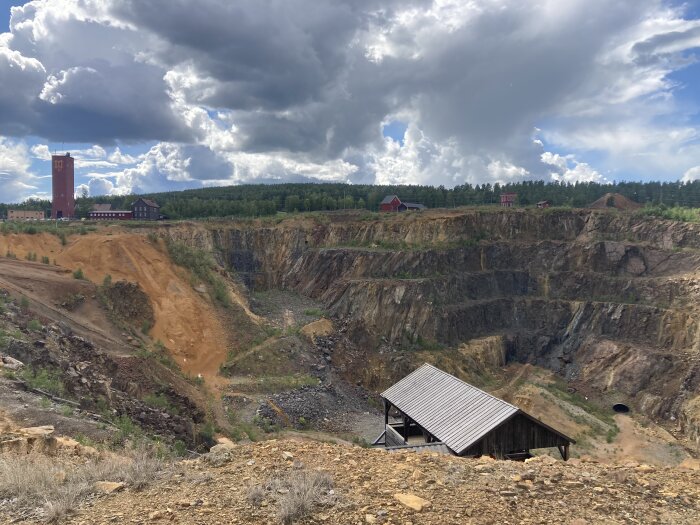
306,490
255,495
50,489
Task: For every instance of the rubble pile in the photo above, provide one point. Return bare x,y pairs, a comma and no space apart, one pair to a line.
104,385
325,407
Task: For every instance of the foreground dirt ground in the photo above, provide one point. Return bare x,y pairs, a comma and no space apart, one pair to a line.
365,483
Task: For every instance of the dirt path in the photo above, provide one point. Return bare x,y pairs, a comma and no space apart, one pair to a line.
645,444
262,346
45,285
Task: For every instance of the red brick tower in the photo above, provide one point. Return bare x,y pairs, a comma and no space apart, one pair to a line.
63,178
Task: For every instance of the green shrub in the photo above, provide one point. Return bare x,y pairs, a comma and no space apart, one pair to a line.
45,260
34,325
675,213
146,326
221,291
24,303
107,281
127,428
48,380
180,448
202,266
160,401
78,274
314,312
207,431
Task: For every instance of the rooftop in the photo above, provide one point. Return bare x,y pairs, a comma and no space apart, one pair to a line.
456,413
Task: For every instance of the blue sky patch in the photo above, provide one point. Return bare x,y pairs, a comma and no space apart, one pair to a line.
395,130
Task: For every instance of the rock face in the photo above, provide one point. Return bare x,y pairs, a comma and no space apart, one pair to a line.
606,299
103,381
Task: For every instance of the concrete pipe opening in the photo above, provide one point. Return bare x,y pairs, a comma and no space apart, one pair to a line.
621,408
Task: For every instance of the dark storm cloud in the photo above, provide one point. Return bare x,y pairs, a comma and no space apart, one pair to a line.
102,102
269,54
76,79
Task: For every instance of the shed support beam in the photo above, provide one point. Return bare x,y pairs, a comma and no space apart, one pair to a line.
564,451
387,406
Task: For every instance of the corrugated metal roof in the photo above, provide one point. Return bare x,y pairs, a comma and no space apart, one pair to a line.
455,412
101,207
440,448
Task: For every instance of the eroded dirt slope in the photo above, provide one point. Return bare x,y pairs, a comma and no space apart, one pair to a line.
185,320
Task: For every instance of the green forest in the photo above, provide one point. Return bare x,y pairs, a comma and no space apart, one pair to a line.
268,199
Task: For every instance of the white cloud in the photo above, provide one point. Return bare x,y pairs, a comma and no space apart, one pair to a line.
692,174
41,151
117,157
570,170
17,182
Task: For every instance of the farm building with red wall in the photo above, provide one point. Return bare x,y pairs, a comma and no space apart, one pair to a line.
508,199
393,203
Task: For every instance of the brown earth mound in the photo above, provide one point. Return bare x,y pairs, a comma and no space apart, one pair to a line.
615,200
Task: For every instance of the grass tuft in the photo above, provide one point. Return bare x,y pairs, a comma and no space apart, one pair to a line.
307,489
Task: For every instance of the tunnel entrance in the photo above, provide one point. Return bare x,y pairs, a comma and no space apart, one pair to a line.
621,408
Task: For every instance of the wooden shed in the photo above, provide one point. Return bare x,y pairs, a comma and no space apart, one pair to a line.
440,412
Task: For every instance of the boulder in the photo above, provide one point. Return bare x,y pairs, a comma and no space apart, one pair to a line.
43,431
108,487
10,363
412,501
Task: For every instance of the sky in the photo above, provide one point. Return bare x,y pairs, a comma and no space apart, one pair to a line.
174,94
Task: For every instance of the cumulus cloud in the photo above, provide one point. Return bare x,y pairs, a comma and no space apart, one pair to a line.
267,90
16,178
568,169
692,174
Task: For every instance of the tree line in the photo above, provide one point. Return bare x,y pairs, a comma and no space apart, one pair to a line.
267,199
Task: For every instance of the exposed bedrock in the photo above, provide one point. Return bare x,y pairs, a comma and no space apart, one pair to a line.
607,299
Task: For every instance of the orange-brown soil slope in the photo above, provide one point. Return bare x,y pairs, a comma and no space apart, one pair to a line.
185,320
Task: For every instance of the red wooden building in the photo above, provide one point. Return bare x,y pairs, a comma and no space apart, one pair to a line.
393,203
390,203
508,199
